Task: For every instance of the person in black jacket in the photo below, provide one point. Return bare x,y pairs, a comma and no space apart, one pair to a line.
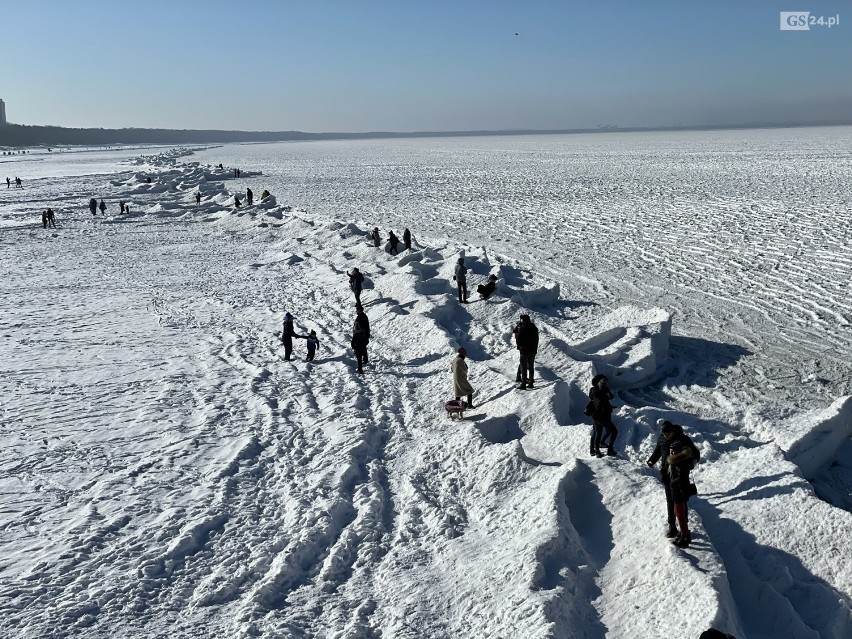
661,452
394,243
356,283
526,339
406,239
599,396
287,335
683,455
360,338
486,290
377,238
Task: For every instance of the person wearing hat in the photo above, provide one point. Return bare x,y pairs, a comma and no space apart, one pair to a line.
603,429
287,335
461,386
678,454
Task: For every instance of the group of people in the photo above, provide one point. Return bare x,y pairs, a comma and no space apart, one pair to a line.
48,218
94,206
18,183
393,240
485,290
289,332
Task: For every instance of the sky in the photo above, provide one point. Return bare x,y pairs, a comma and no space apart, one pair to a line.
417,65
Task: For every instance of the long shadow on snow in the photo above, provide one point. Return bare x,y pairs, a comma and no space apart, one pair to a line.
501,430
776,596
571,560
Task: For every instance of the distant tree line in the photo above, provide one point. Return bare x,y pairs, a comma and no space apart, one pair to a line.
13,135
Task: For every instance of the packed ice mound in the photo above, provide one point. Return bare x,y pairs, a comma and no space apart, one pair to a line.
812,441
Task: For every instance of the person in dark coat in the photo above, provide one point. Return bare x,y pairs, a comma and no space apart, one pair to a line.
249,196
44,219
198,197
683,454
364,321
312,343
526,339
360,339
93,206
486,290
51,218
102,207
394,243
377,239
287,335
603,431
460,277
356,283
661,452
406,239
237,202
121,206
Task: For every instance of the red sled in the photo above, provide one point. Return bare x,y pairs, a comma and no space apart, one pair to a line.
455,407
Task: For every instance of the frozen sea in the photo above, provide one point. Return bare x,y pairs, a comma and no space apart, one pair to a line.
165,472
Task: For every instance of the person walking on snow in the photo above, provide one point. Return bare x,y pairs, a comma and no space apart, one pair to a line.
406,239
249,196
198,197
360,338
44,219
93,206
102,207
313,342
661,452
287,335
356,283
377,239
681,458
461,386
526,339
51,218
599,396
18,182
460,277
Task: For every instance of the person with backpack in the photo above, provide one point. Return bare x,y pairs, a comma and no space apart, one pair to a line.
406,239
526,339
287,335
460,278
356,283
461,386
682,457
600,409
360,337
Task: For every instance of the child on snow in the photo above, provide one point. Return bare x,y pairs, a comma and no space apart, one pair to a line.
312,342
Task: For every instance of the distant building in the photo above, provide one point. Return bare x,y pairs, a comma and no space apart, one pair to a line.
2,113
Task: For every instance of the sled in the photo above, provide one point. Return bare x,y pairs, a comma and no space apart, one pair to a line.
455,408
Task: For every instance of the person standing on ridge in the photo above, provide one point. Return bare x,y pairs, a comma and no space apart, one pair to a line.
377,239
406,239
356,283
394,243
526,339
102,207
682,457
461,280
249,196
461,386
599,396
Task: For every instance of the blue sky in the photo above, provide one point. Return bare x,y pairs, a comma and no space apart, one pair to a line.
413,65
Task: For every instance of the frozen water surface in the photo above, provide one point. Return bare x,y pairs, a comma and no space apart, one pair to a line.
165,472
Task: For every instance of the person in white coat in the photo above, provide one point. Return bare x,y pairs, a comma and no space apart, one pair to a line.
461,386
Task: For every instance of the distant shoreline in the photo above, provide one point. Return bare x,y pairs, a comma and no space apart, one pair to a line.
16,135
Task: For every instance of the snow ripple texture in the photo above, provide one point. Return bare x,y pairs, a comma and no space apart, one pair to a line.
165,472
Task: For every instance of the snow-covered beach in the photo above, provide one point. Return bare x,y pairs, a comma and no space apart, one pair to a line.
166,473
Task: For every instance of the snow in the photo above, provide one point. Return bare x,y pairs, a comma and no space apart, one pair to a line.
165,472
